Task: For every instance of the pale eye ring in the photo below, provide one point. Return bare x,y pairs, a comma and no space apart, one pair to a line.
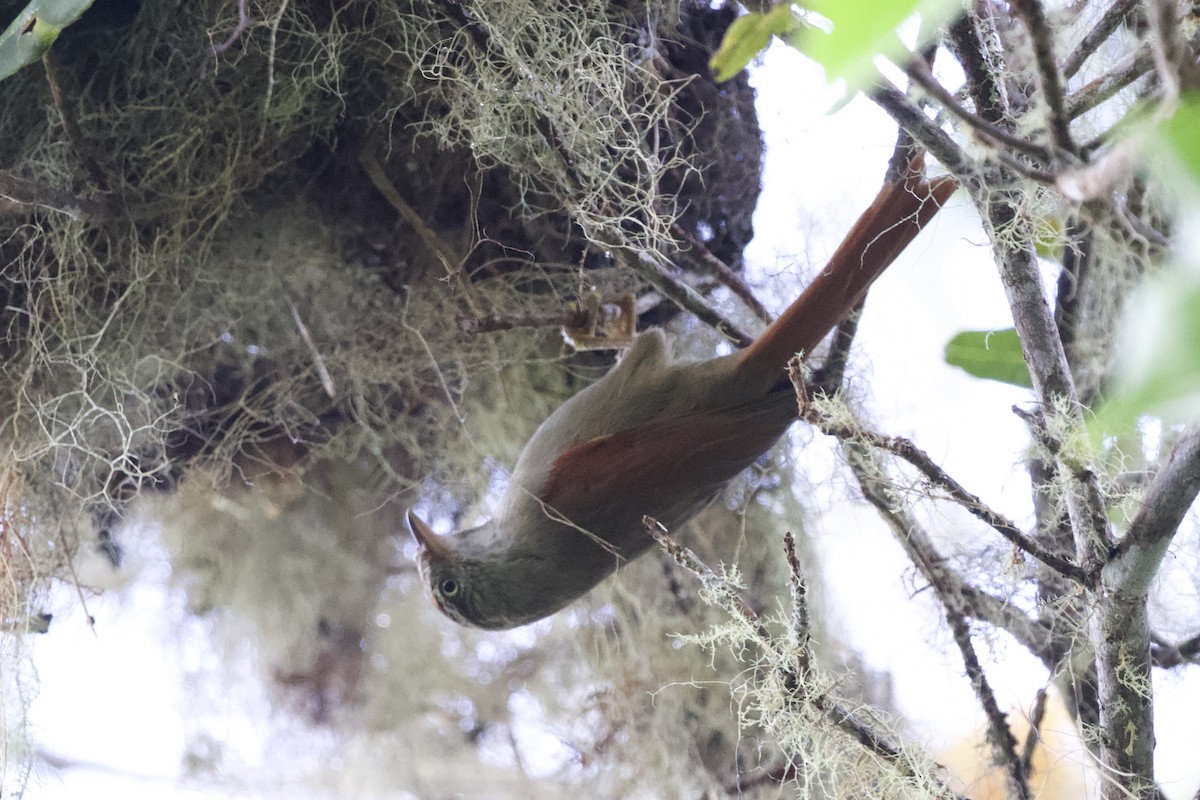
448,588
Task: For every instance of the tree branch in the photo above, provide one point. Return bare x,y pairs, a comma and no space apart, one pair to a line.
1107,85
704,261
834,713
1104,28
1049,80
985,92
1165,655
906,450
687,298
918,71
881,492
1171,493
926,132
26,194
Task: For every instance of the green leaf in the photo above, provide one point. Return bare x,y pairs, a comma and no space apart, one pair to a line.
859,30
1182,135
34,30
995,355
1159,368
748,36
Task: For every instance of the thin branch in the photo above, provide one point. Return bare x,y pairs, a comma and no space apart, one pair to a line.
436,244
1000,736
66,112
799,588
68,557
23,193
1044,355
1035,731
1139,227
882,493
1165,655
725,594
926,132
1170,494
1166,42
1076,269
1104,28
507,322
728,598
906,450
1049,80
707,262
827,378
1033,635
687,298
1107,85
919,72
1034,174
985,92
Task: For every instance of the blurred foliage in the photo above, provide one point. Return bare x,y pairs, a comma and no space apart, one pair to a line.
843,36
1159,366
34,30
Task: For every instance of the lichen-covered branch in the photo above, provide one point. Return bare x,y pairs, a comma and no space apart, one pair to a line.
779,659
905,449
881,492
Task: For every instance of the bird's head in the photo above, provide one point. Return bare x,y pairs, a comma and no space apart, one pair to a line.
476,580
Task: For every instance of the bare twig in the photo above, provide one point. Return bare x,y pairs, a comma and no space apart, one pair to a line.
318,359
507,322
67,556
436,244
926,132
1104,87
882,493
1167,44
827,378
23,193
71,125
1034,635
1168,497
1167,656
1049,80
993,134
1035,731
799,589
710,263
650,267
1076,263
1104,27
1000,736
905,449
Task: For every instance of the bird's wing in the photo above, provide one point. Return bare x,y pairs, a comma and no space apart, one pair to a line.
666,468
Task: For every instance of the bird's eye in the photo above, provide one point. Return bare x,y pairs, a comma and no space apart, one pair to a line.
448,587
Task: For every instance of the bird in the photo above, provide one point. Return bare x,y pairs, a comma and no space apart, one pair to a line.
655,437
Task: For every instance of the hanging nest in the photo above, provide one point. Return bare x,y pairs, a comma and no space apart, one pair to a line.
243,250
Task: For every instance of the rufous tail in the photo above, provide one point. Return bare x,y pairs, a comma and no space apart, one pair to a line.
895,217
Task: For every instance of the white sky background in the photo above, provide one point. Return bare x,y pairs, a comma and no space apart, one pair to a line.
117,700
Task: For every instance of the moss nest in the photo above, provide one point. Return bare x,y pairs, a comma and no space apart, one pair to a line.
252,247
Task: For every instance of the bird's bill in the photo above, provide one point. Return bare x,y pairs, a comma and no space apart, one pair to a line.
426,538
